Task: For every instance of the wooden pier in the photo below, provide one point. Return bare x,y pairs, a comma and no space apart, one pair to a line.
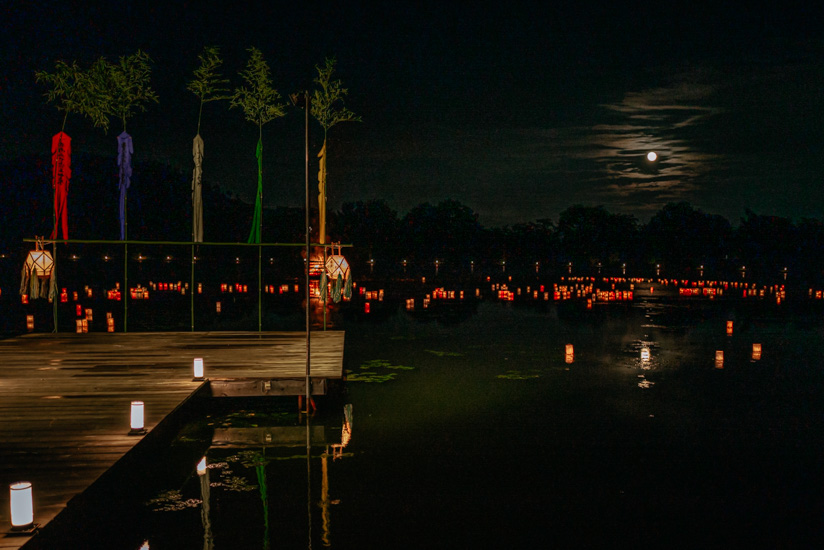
65,398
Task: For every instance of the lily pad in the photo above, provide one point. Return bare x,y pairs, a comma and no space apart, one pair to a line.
519,375
443,353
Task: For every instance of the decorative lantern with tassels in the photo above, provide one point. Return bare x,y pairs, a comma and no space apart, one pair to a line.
338,272
38,269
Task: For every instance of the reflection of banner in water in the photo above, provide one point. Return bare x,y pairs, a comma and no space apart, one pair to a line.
208,540
345,433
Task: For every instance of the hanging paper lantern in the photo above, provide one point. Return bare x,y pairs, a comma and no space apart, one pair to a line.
40,262
38,268
336,265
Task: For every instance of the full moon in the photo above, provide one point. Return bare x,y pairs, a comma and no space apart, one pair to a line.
651,156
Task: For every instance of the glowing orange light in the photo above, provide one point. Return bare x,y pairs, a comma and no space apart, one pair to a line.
756,352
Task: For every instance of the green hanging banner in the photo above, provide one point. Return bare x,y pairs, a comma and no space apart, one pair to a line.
254,235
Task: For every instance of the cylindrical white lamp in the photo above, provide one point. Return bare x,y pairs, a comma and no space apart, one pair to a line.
22,509
137,426
198,368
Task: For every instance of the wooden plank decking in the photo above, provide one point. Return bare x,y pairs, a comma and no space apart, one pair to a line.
64,398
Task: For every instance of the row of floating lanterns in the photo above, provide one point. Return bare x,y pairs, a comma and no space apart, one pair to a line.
646,355
82,325
21,492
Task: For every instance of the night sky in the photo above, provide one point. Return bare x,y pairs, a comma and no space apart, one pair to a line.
517,112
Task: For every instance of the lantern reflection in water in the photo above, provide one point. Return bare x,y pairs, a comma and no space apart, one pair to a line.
30,322
569,353
719,359
729,328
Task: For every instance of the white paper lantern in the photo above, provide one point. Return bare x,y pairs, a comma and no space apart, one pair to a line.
41,262
137,417
336,265
22,509
198,368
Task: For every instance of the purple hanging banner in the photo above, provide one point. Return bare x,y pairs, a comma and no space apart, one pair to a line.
124,162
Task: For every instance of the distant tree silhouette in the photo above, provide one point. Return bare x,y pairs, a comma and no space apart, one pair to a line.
683,238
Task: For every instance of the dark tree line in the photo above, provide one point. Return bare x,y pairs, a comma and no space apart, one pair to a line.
683,240
680,238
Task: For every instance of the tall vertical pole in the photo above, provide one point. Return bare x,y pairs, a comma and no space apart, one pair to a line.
192,286
306,162
54,275
260,241
125,270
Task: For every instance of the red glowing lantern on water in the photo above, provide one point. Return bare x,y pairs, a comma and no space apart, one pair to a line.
24,298
729,328
78,309
366,307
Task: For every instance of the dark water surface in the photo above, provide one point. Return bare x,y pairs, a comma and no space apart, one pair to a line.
490,439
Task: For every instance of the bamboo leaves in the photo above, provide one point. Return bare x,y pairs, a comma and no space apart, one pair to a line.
208,83
258,98
128,85
327,102
74,90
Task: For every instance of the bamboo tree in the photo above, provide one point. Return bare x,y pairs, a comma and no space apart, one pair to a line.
71,90
121,89
208,85
260,104
328,109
